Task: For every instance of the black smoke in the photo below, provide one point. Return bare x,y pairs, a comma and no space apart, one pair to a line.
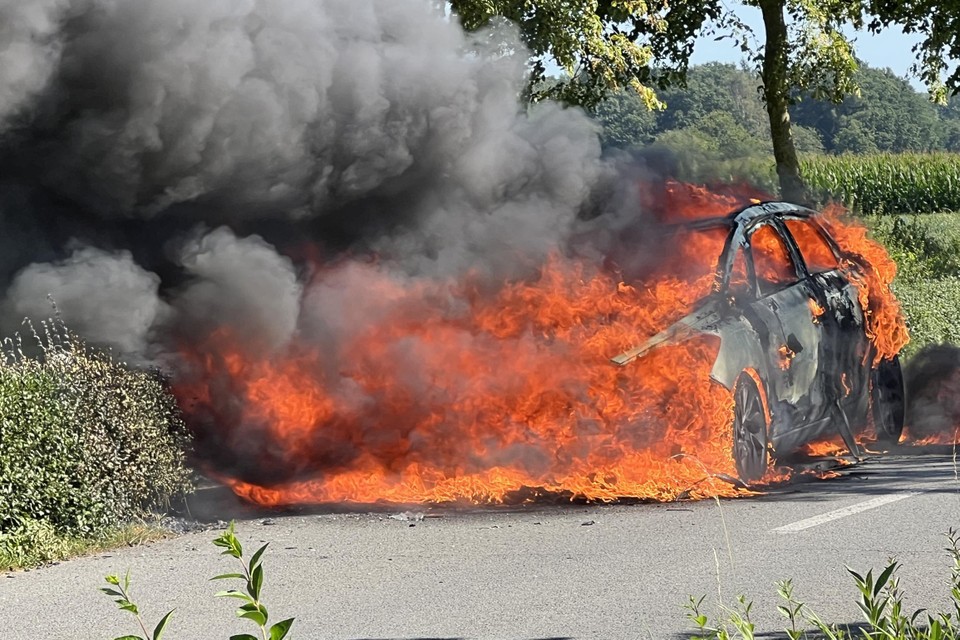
162,161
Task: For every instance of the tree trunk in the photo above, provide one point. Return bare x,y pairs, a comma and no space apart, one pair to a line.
776,94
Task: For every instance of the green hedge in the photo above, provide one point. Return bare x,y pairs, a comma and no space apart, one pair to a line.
86,444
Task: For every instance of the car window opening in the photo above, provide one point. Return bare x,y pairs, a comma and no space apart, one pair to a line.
817,254
772,264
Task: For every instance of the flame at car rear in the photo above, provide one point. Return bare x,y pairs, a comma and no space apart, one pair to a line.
468,391
885,324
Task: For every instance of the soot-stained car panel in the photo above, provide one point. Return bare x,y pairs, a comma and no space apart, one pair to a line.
793,346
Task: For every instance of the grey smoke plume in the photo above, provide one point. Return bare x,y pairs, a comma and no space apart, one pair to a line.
105,297
932,380
376,124
29,51
289,109
239,278
343,152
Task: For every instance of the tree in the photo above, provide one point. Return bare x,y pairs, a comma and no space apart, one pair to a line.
938,21
715,87
595,41
807,54
599,43
627,122
886,115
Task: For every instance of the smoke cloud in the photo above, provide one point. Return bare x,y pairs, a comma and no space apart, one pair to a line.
255,181
932,380
370,126
30,52
105,297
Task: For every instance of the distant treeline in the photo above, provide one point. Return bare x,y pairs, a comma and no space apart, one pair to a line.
720,114
888,150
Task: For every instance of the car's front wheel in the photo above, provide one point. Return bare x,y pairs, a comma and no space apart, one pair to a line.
887,399
749,430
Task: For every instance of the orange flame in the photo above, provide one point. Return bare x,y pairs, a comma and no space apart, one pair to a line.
462,391
884,319
816,311
786,356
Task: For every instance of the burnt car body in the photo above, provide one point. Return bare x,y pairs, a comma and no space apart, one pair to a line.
793,347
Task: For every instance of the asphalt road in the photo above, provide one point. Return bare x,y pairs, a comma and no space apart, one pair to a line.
611,572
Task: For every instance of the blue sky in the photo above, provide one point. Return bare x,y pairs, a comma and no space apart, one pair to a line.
890,49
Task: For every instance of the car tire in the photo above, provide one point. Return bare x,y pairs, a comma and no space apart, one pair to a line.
887,400
749,430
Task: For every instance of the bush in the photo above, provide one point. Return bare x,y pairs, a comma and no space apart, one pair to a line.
86,444
930,307
926,249
924,246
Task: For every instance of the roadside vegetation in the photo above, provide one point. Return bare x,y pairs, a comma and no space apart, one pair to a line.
88,448
251,607
926,249
879,598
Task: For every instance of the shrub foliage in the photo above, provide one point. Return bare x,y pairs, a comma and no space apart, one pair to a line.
926,249
86,444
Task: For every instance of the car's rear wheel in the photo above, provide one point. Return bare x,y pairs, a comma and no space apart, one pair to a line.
749,430
887,399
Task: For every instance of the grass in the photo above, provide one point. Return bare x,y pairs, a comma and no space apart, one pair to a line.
926,248
41,544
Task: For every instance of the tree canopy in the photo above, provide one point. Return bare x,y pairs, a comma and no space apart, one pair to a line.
606,45
938,22
598,43
888,114
610,45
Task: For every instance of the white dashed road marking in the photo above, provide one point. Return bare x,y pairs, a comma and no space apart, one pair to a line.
843,512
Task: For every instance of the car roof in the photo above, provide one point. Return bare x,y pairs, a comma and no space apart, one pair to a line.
748,216
755,212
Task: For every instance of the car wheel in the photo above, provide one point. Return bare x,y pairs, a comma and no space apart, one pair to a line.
887,400
749,430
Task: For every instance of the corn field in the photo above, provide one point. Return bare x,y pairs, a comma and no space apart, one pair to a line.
886,183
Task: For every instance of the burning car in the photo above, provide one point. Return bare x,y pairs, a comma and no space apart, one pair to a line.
797,345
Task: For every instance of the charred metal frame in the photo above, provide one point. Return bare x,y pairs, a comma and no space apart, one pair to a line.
814,369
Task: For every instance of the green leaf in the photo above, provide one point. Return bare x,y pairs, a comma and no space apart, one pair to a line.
882,579
111,592
114,580
254,612
133,638
243,636
856,576
158,631
279,630
233,593
228,576
256,582
256,557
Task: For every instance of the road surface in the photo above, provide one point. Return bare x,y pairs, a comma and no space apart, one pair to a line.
610,572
